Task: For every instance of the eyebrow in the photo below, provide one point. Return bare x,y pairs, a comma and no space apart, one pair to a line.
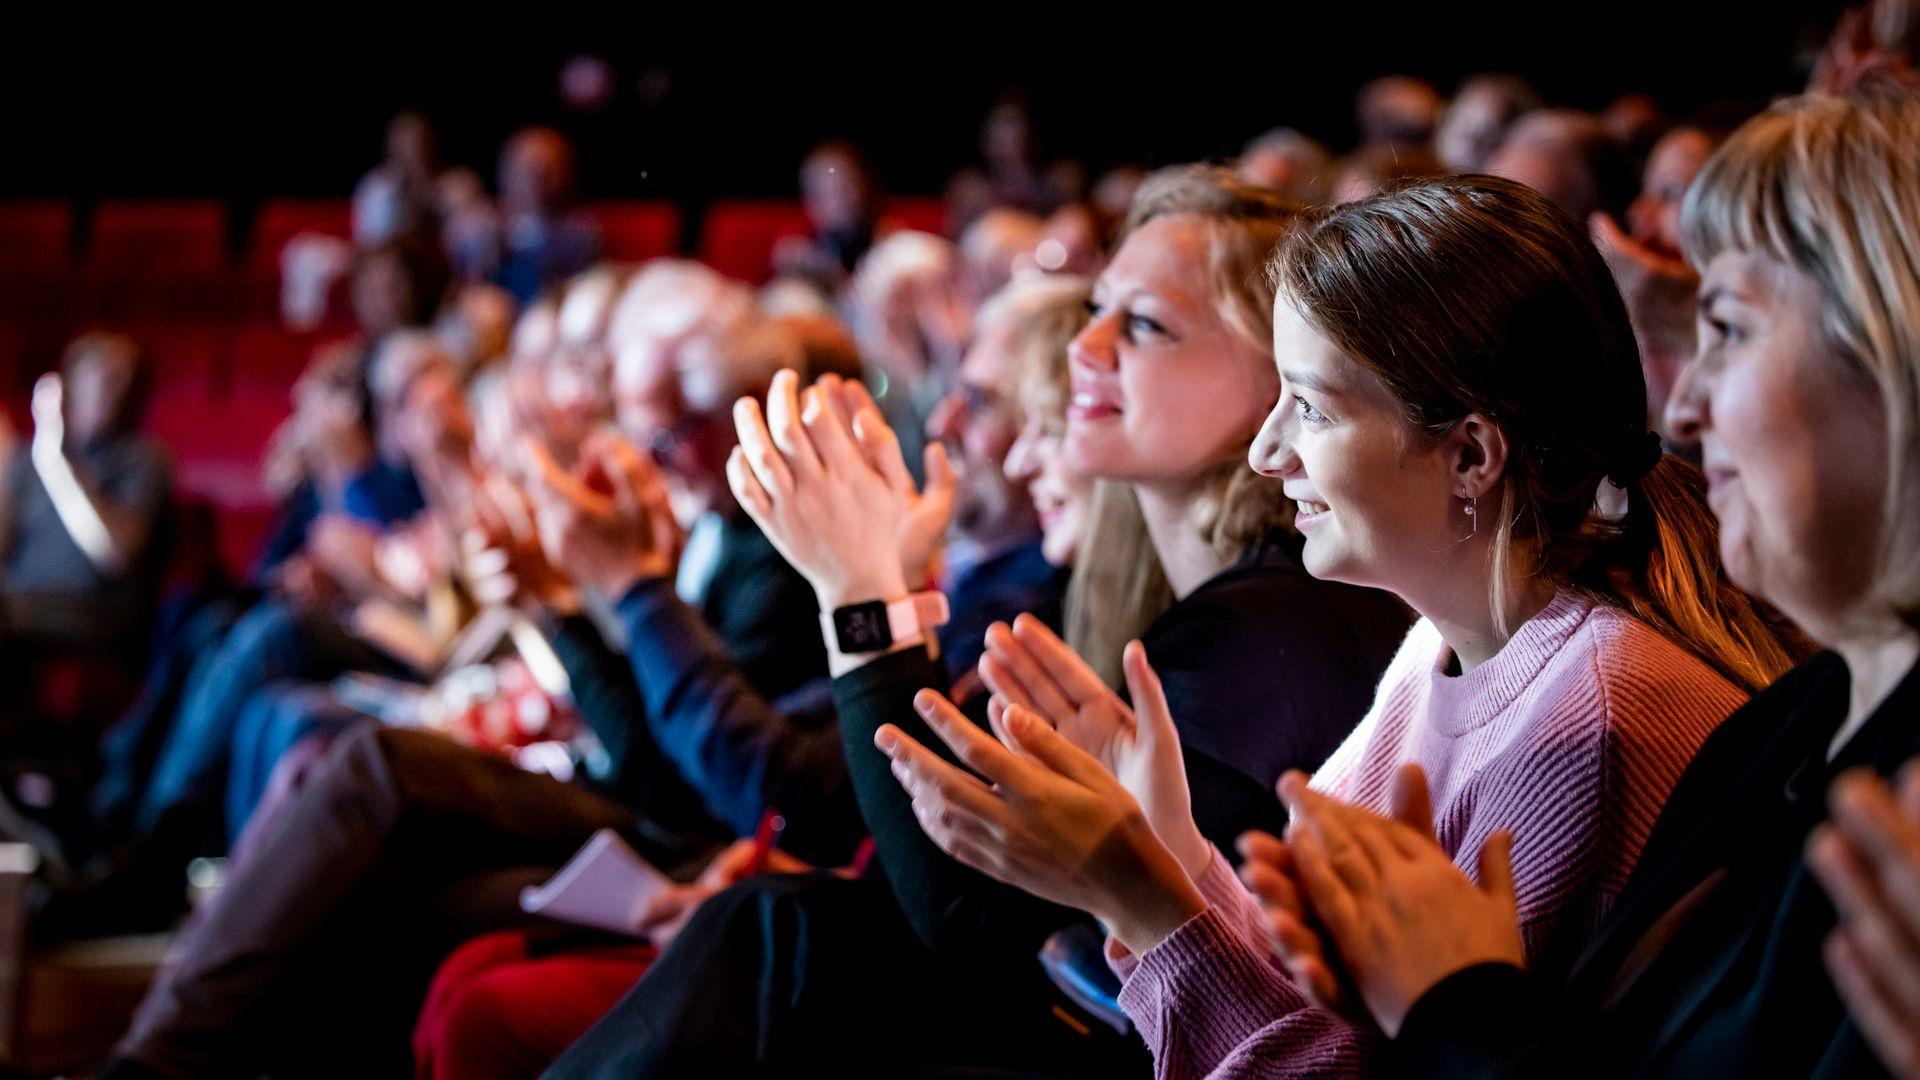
1311,382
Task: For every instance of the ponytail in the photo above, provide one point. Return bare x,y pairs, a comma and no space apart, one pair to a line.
1662,563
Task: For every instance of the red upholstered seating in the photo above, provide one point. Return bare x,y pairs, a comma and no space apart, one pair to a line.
639,230
737,235
923,213
280,220
35,237
148,238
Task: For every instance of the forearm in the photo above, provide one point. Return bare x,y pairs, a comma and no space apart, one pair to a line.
1208,1004
739,750
79,511
1489,1020
949,905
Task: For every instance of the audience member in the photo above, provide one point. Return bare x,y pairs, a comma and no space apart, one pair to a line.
1290,163
1478,117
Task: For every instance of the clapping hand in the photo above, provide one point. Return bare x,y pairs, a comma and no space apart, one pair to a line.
1029,666
608,521
1399,914
1043,815
821,473
1868,858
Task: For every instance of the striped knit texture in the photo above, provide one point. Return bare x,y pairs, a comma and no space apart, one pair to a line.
1571,737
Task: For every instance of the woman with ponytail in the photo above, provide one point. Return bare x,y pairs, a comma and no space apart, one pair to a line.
1463,423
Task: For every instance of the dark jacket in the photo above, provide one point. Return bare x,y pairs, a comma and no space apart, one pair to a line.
1735,985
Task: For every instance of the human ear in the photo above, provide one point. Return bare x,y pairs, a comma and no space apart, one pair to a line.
1477,456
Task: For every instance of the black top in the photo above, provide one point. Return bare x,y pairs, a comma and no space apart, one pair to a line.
1737,988
1265,669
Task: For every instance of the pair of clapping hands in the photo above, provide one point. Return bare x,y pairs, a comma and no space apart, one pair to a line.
604,524
1084,801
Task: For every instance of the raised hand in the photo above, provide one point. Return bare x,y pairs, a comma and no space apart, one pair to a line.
1868,859
608,522
822,475
923,530
1400,914
1048,819
1028,665
501,556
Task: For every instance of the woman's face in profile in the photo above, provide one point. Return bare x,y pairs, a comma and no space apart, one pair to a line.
1374,501
1163,388
1793,441
1060,495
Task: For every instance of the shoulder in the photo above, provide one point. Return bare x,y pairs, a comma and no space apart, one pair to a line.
1643,673
1275,609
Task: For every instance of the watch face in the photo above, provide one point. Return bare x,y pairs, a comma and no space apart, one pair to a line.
863,627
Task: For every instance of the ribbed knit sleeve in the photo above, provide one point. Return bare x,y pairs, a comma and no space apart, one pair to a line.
1209,1005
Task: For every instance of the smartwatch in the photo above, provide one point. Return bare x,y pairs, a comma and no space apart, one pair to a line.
878,625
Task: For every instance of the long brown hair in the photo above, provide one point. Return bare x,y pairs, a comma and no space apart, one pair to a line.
1473,294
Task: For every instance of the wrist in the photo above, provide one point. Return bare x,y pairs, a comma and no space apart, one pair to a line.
1160,897
840,594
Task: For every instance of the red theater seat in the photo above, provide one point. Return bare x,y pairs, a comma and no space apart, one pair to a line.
152,238
35,237
280,220
924,213
265,359
738,235
636,231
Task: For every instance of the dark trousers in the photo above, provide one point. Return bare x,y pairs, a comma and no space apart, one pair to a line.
815,975
313,958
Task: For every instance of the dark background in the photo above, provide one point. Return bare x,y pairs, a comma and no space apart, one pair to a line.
292,101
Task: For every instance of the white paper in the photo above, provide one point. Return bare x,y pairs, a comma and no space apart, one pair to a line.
603,886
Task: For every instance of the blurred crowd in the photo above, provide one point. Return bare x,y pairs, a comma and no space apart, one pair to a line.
833,597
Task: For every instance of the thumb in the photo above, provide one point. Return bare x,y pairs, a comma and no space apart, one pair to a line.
1153,720
1496,868
1409,801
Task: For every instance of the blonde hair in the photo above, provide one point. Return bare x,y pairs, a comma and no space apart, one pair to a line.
1831,188
1118,586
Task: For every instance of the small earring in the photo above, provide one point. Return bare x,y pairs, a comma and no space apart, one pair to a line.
1473,513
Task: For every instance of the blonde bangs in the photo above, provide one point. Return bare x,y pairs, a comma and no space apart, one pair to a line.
1830,187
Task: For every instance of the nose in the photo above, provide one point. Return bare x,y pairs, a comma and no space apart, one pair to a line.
1093,346
1686,417
1272,451
1023,463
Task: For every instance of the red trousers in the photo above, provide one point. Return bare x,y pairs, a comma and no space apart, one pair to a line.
498,1010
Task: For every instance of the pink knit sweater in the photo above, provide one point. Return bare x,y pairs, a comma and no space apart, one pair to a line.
1572,737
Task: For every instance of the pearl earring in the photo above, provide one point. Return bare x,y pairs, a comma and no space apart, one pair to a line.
1473,513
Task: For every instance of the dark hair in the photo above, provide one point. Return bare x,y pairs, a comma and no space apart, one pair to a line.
1473,294
423,263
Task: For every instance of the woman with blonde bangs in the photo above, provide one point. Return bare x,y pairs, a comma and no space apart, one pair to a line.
1751,930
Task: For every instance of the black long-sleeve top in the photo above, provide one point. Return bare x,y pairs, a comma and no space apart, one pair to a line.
1265,669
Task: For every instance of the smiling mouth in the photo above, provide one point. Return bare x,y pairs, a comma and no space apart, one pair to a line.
1084,406
1308,508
